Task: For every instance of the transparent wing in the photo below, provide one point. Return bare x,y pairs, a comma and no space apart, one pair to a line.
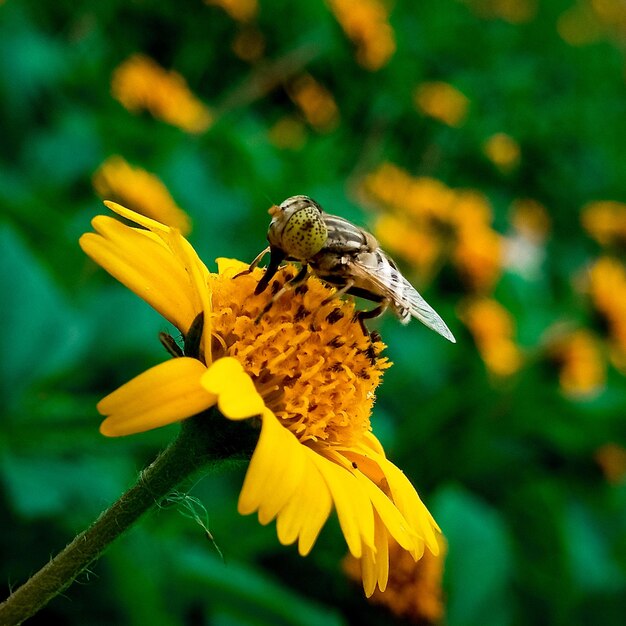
376,272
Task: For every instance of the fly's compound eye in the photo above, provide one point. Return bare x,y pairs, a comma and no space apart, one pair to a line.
305,233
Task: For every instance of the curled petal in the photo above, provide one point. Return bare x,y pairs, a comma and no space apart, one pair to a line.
237,397
137,218
164,394
230,267
145,266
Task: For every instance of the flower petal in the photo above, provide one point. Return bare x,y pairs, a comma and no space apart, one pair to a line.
237,397
354,508
274,473
408,503
164,394
282,480
230,267
375,563
306,512
137,218
146,267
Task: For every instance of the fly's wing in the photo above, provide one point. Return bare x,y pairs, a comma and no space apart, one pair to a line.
376,272
345,237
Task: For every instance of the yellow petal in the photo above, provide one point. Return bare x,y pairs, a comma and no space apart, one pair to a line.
411,506
237,397
137,218
390,516
306,512
147,268
199,278
375,563
282,480
230,267
164,394
275,471
354,508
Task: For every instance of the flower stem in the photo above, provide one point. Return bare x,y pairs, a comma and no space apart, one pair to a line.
194,448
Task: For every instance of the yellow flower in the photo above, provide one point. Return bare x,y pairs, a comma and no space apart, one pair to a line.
415,245
304,372
611,458
442,102
607,286
315,101
426,200
582,365
142,191
140,83
530,219
605,221
288,133
503,151
479,249
249,44
414,590
239,10
366,23
493,329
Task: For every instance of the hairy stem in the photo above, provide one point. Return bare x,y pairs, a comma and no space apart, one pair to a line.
193,449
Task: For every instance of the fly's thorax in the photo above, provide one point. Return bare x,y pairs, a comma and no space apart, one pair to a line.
298,228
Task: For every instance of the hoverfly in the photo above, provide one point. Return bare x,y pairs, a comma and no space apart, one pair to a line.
343,255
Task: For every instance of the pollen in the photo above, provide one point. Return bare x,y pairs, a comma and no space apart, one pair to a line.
311,362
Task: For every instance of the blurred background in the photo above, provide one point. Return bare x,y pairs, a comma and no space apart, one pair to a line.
482,141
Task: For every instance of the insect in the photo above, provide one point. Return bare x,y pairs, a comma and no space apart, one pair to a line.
343,255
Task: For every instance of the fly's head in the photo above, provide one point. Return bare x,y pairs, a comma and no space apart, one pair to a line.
297,228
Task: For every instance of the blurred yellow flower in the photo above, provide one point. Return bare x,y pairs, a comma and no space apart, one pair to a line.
315,102
587,21
607,287
493,329
249,44
611,458
139,83
400,236
479,250
366,23
304,371
605,221
414,591
288,133
438,221
442,102
427,200
582,365
503,151
530,218
239,10
140,190
524,248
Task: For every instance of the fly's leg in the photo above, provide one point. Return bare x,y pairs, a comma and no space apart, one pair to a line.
254,263
340,292
361,316
288,286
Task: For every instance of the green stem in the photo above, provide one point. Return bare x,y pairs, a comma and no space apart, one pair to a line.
194,448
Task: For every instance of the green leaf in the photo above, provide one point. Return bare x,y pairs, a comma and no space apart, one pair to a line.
478,566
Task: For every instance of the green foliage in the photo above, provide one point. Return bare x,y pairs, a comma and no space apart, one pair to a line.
536,533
